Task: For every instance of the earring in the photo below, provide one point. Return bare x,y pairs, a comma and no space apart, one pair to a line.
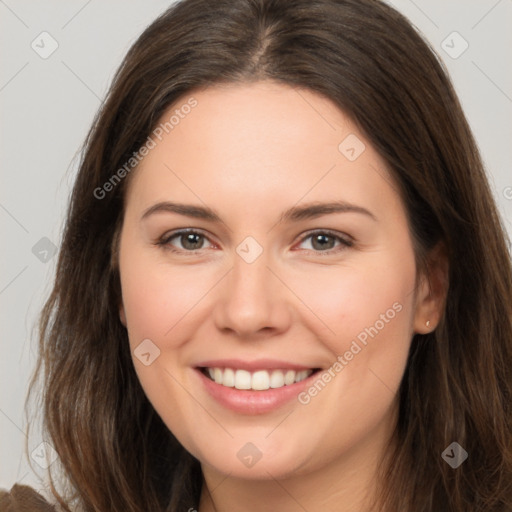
427,323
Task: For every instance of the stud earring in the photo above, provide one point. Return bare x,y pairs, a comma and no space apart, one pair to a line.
427,323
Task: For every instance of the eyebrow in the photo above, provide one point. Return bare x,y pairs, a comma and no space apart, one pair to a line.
293,214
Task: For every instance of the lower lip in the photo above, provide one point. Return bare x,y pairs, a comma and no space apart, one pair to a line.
253,402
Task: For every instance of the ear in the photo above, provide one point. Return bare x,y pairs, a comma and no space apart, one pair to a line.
432,291
122,314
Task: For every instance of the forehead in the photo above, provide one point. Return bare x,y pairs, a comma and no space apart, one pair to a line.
259,144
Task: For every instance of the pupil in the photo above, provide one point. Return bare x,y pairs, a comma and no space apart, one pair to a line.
191,239
321,239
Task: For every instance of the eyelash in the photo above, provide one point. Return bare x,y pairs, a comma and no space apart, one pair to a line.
164,241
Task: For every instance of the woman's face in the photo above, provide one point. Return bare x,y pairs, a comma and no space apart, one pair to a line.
298,259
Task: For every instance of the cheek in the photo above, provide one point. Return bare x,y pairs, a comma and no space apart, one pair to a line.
368,311
158,298
344,302
365,313
158,303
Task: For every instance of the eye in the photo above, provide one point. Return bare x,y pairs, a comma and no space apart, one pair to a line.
185,240
325,241
190,240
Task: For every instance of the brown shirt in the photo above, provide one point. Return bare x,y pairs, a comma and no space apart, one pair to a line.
22,498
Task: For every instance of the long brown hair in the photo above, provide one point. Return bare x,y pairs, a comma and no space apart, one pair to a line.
115,452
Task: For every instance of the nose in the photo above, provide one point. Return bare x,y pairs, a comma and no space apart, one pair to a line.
252,301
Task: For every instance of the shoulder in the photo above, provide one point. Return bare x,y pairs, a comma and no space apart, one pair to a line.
22,498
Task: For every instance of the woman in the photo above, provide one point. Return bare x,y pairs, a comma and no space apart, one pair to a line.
283,282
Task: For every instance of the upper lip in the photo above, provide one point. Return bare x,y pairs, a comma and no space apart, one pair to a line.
256,364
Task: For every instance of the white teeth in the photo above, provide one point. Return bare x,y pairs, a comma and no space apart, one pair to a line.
277,379
217,375
301,375
242,379
228,378
289,377
260,380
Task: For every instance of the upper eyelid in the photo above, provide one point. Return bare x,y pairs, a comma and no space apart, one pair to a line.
330,232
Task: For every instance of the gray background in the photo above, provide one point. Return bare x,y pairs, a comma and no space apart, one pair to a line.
47,106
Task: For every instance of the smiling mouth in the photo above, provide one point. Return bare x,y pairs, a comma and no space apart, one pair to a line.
259,380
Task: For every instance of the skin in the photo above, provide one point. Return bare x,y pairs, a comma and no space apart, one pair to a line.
251,151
